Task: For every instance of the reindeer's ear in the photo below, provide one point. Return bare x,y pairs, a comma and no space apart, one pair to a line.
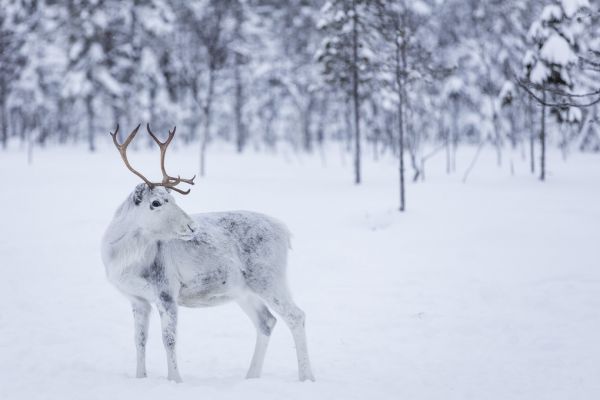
138,193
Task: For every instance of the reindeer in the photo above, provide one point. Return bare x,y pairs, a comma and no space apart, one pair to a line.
155,253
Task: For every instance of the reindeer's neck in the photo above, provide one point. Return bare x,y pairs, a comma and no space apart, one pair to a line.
126,246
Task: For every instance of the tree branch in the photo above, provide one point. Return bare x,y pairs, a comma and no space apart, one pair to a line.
526,85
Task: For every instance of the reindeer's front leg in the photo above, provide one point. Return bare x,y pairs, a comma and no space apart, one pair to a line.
168,318
141,316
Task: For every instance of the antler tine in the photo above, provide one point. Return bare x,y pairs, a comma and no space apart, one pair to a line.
188,181
179,190
127,140
114,134
168,181
158,142
163,151
123,152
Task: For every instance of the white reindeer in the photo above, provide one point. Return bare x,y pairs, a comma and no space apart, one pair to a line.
155,253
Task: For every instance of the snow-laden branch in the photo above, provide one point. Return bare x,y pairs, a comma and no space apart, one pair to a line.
529,86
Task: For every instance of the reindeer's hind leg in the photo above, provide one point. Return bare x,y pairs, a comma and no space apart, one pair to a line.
281,301
264,322
141,316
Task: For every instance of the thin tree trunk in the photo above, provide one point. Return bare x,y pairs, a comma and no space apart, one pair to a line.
61,126
90,115
497,140
207,121
448,153
321,127
543,140
239,104
4,123
475,157
348,134
454,134
531,138
355,94
400,83
35,125
306,122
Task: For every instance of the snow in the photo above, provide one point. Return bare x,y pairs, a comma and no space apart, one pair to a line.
105,78
556,50
529,58
421,8
507,92
539,73
537,31
453,85
76,83
551,13
483,290
572,6
574,114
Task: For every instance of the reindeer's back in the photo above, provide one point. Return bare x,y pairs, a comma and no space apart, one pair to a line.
261,243
230,251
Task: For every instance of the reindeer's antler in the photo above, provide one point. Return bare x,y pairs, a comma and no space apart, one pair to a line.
123,151
167,181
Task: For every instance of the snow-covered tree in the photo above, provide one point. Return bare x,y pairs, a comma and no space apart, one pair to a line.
548,66
405,62
347,57
14,27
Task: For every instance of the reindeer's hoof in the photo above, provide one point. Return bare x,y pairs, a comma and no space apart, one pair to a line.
252,375
307,376
175,378
140,375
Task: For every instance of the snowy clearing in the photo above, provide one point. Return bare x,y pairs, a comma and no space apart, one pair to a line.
483,290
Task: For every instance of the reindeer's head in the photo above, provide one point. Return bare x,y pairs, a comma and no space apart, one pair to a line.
151,205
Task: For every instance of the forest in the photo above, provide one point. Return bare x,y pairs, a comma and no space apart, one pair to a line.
412,79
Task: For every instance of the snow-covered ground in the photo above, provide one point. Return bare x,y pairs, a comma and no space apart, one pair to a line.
483,290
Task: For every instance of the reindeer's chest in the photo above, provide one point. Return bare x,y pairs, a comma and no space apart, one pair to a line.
132,280
140,274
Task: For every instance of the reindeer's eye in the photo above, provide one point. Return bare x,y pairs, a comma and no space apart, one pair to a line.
156,203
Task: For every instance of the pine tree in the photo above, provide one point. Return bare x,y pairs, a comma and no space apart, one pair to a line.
548,66
347,57
14,24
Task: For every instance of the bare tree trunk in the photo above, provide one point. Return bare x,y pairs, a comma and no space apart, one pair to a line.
349,126
448,152
90,114
61,125
17,123
543,140
419,171
355,94
322,116
497,140
454,134
35,125
376,138
4,122
531,138
400,84
207,120
306,122
239,104
268,115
